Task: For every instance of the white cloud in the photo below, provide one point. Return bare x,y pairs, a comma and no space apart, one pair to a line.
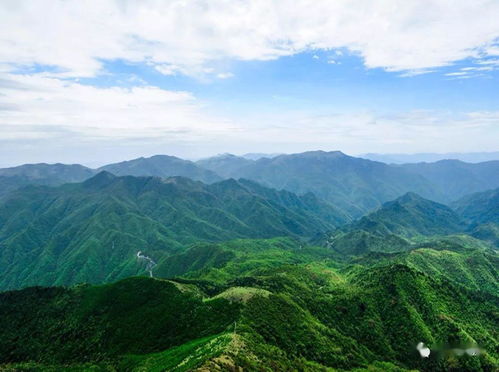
35,105
48,119
168,69
413,131
77,36
460,73
201,37
225,75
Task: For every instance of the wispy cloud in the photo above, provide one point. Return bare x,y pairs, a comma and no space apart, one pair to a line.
35,103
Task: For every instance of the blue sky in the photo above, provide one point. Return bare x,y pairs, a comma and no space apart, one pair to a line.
310,81
100,82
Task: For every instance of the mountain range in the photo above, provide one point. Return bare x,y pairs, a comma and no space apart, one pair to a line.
354,185
314,262
91,231
469,157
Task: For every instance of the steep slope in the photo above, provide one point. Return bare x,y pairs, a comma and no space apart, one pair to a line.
409,216
162,166
92,231
481,211
353,184
479,208
399,225
294,317
454,179
41,174
475,269
101,323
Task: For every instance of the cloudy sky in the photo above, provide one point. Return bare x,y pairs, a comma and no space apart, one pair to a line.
99,81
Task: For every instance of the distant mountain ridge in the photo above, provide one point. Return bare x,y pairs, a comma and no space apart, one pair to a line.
162,166
469,157
481,211
41,174
226,165
354,185
477,208
453,179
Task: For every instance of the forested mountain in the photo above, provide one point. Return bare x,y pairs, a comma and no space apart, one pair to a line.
481,211
248,276
411,215
92,231
353,184
41,174
49,174
162,166
270,304
405,224
478,208
453,179
226,165
359,185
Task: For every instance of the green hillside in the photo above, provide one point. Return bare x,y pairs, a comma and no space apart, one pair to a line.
359,185
97,323
411,215
245,278
91,232
356,185
306,316
479,208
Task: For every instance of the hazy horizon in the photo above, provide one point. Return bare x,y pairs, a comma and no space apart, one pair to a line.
395,158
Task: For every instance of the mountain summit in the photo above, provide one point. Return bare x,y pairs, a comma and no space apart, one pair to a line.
411,215
162,166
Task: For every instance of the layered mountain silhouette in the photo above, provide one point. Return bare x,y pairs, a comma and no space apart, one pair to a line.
355,185
162,166
91,231
249,276
41,174
411,215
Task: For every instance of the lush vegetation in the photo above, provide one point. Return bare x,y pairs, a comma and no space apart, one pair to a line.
91,232
359,185
308,315
248,276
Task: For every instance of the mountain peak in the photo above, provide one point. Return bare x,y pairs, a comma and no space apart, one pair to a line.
329,154
410,197
100,180
162,166
411,215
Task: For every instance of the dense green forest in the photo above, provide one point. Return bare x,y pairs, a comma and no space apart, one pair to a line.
246,276
271,304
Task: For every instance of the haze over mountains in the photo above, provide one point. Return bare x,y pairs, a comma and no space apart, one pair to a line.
469,157
354,185
305,261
